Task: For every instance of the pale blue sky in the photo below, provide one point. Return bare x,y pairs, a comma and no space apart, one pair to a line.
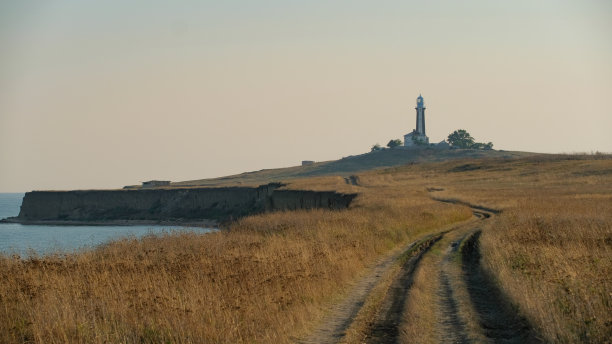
99,94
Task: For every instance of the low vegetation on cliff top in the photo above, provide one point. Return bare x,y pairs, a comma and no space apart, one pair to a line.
268,277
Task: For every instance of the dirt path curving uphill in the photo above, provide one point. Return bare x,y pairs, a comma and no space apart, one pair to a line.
468,306
450,327
471,308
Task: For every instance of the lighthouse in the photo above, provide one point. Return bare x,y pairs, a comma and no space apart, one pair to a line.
418,136
420,116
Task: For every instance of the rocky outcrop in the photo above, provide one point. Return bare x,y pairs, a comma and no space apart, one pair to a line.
171,204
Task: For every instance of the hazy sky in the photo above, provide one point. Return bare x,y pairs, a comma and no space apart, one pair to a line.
101,94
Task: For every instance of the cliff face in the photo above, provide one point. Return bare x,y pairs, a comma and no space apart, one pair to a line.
299,199
171,204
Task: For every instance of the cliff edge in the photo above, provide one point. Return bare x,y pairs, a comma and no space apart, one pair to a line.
173,204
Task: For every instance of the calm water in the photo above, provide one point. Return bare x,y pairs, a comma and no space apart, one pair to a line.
23,239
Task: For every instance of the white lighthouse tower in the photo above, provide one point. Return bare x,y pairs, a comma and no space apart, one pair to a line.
417,136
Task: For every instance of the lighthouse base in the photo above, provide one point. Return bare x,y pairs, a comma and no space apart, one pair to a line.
415,139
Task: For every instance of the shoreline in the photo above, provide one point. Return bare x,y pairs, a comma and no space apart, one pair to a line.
203,223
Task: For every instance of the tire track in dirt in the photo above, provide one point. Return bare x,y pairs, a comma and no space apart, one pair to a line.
497,321
493,318
333,328
451,327
385,327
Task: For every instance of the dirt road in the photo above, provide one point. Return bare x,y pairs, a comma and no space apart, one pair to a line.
332,329
469,307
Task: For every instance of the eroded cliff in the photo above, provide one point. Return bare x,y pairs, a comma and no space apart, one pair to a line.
171,204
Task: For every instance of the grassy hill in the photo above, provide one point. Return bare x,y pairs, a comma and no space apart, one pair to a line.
351,165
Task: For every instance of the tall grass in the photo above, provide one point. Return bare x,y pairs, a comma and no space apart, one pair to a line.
267,278
264,279
550,250
553,256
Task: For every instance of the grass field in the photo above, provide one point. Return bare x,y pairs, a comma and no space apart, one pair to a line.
265,279
268,277
550,250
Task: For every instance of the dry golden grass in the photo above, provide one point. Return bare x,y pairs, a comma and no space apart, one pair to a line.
265,279
557,263
268,277
550,250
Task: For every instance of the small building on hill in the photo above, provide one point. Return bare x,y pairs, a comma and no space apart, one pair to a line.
155,183
443,145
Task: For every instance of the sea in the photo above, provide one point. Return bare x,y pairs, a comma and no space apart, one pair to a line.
39,240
